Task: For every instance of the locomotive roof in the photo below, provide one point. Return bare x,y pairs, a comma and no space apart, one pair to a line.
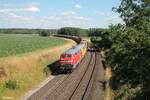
74,49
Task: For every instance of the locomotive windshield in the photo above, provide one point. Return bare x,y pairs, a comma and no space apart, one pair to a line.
69,56
63,56
66,56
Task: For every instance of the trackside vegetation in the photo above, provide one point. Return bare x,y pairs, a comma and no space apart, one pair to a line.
11,45
128,51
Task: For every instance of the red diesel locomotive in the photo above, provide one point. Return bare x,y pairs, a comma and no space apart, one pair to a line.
70,58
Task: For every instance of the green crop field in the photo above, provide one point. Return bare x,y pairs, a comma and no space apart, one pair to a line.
17,44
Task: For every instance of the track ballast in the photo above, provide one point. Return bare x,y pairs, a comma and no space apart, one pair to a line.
75,86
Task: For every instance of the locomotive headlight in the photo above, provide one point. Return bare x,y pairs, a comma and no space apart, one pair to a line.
69,60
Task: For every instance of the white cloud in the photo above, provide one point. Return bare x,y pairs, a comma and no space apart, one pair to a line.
65,19
107,14
78,6
72,18
80,18
17,17
32,8
109,17
71,15
12,17
29,8
68,13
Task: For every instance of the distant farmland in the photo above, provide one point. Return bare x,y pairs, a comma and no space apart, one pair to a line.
17,44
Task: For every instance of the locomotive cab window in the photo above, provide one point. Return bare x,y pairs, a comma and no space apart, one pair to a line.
63,56
69,56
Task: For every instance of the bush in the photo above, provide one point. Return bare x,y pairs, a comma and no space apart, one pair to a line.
11,84
103,40
73,31
44,33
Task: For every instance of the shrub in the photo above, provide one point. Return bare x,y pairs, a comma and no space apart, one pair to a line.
44,33
11,84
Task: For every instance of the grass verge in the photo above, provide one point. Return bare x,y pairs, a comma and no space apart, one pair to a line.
108,93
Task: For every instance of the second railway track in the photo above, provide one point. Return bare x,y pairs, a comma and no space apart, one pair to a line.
75,86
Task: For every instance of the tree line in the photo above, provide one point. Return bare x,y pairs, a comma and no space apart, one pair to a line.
73,31
44,32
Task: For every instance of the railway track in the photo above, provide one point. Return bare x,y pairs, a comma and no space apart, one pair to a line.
75,86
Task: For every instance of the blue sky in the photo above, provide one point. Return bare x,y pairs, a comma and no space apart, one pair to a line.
58,13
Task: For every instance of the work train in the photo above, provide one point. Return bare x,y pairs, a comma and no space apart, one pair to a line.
74,38
70,58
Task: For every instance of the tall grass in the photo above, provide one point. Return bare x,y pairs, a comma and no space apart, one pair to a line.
28,70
